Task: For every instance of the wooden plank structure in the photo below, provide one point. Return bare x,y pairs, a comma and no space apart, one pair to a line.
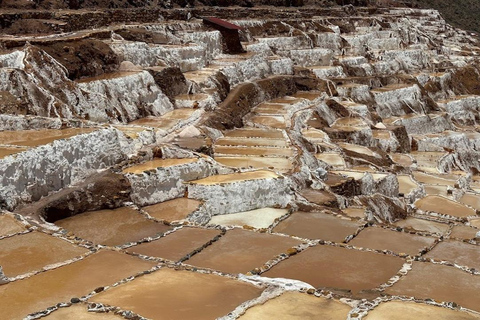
231,38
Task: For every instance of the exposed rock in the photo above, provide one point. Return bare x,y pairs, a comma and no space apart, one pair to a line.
106,190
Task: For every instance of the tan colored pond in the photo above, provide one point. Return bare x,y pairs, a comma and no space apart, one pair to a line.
274,163
461,253
176,245
334,267
358,149
439,282
170,294
445,206
254,151
423,225
471,199
173,210
33,138
354,212
7,151
318,196
436,190
252,142
399,242
166,121
112,227
406,184
109,76
268,108
433,179
317,225
8,225
255,133
401,159
298,306
240,251
33,251
277,122
46,289
259,218
158,163
463,232
332,158
236,177
309,95
314,134
403,310
287,100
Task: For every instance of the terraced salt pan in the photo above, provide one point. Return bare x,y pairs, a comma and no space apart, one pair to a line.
406,184
321,197
427,160
359,149
112,227
298,306
80,312
444,206
274,163
158,163
34,138
334,267
315,135
5,152
177,244
252,142
317,225
354,212
463,232
399,242
172,294
259,218
254,151
441,283
173,210
423,225
347,122
240,251
461,253
402,159
403,310
277,122
236,177
435,190
309,95
268,108
255,133
475,223
332,158
471,199
8,226
19,298
169,120
433,179
32,251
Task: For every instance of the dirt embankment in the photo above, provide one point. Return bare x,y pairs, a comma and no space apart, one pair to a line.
229,114
83,58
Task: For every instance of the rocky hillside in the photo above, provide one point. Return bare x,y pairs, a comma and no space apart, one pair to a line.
284,162
462,14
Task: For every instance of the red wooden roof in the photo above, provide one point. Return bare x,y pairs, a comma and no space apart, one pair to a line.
222,23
